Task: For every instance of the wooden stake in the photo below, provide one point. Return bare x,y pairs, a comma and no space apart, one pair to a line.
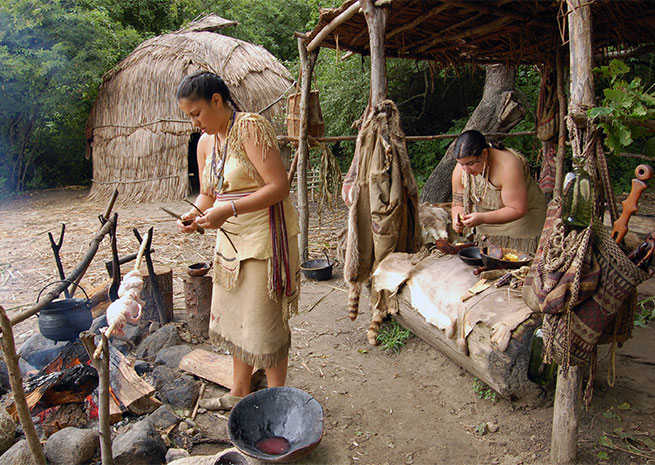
200,394
102,367
16,382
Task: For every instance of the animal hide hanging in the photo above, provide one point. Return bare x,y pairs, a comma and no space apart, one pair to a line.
382,197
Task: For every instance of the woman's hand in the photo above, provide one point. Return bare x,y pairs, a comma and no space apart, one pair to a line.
188,223
214,217
472,219
458,226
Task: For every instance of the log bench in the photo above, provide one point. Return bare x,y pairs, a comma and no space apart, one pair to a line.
505,371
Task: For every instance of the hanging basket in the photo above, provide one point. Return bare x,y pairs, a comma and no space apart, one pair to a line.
316,123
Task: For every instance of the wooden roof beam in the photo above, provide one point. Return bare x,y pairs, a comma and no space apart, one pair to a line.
442,32
476,31
351,11
477,7
415,22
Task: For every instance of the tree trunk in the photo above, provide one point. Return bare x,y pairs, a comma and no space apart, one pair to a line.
498,111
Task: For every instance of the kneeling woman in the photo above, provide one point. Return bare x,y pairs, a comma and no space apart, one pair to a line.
494,192
245,192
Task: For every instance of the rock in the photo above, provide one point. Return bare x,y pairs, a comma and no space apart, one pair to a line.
171,356
72,446
183,427
122,346
163,418
38,350
163,375
142,367
18,454
141,445
4,379
228,456
98,323
492,426
132,334
166,336
7,431
174,454
180,393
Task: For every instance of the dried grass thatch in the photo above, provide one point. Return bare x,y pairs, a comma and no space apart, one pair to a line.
488,31
140,138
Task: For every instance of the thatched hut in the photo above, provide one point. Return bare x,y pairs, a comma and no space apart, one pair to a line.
140,141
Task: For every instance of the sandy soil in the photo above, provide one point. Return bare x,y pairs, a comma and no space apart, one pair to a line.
414,407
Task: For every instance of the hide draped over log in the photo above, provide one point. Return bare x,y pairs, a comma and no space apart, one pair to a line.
382,197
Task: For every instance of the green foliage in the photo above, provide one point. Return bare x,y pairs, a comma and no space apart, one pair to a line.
392,336
482,391
645,311
625,105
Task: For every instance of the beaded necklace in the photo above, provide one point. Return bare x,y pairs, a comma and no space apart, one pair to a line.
218,167
478,191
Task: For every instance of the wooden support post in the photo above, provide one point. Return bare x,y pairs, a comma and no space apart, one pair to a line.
561,136
16,382
102,366
376,19
566,412
307,63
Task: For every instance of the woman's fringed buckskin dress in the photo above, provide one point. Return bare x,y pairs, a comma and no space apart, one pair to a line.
256,286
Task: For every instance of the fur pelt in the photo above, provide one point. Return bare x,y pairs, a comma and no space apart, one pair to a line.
382,196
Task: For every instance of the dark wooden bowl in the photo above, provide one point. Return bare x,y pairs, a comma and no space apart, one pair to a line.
470,256
496,263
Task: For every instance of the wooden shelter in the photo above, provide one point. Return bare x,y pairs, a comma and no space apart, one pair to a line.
140,141
487,32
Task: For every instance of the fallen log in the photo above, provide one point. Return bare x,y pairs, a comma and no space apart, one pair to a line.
214,367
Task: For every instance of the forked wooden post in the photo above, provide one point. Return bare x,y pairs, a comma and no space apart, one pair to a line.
16,382
566,413
307,62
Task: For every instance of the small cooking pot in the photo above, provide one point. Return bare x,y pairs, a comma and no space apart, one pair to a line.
318,269
65,319
495,263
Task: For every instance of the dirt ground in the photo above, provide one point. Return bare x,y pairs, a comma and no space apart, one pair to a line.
414,407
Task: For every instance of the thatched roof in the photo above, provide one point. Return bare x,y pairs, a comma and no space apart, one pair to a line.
141,137
490,31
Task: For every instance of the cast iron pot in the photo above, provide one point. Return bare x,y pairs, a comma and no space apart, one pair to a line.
277,412
65,319
318,269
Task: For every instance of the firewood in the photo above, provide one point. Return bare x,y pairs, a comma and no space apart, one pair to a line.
214,367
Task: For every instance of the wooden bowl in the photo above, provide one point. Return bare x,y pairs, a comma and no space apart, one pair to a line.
496,263
199,269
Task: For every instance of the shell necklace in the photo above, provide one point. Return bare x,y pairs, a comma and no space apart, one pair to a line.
479,190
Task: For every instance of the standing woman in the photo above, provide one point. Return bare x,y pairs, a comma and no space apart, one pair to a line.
244,191
494,192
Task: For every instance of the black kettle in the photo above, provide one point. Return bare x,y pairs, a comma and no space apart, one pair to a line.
65,319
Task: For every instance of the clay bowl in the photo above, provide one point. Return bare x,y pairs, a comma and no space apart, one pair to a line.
495,263
199,269
284,414
470,256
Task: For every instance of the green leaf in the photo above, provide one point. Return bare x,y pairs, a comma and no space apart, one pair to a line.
602,455
617,97
624,406
611,415
606,442
618,68
624,135
599,111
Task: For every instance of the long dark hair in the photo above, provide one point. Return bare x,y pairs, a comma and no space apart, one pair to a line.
202,85
470,143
